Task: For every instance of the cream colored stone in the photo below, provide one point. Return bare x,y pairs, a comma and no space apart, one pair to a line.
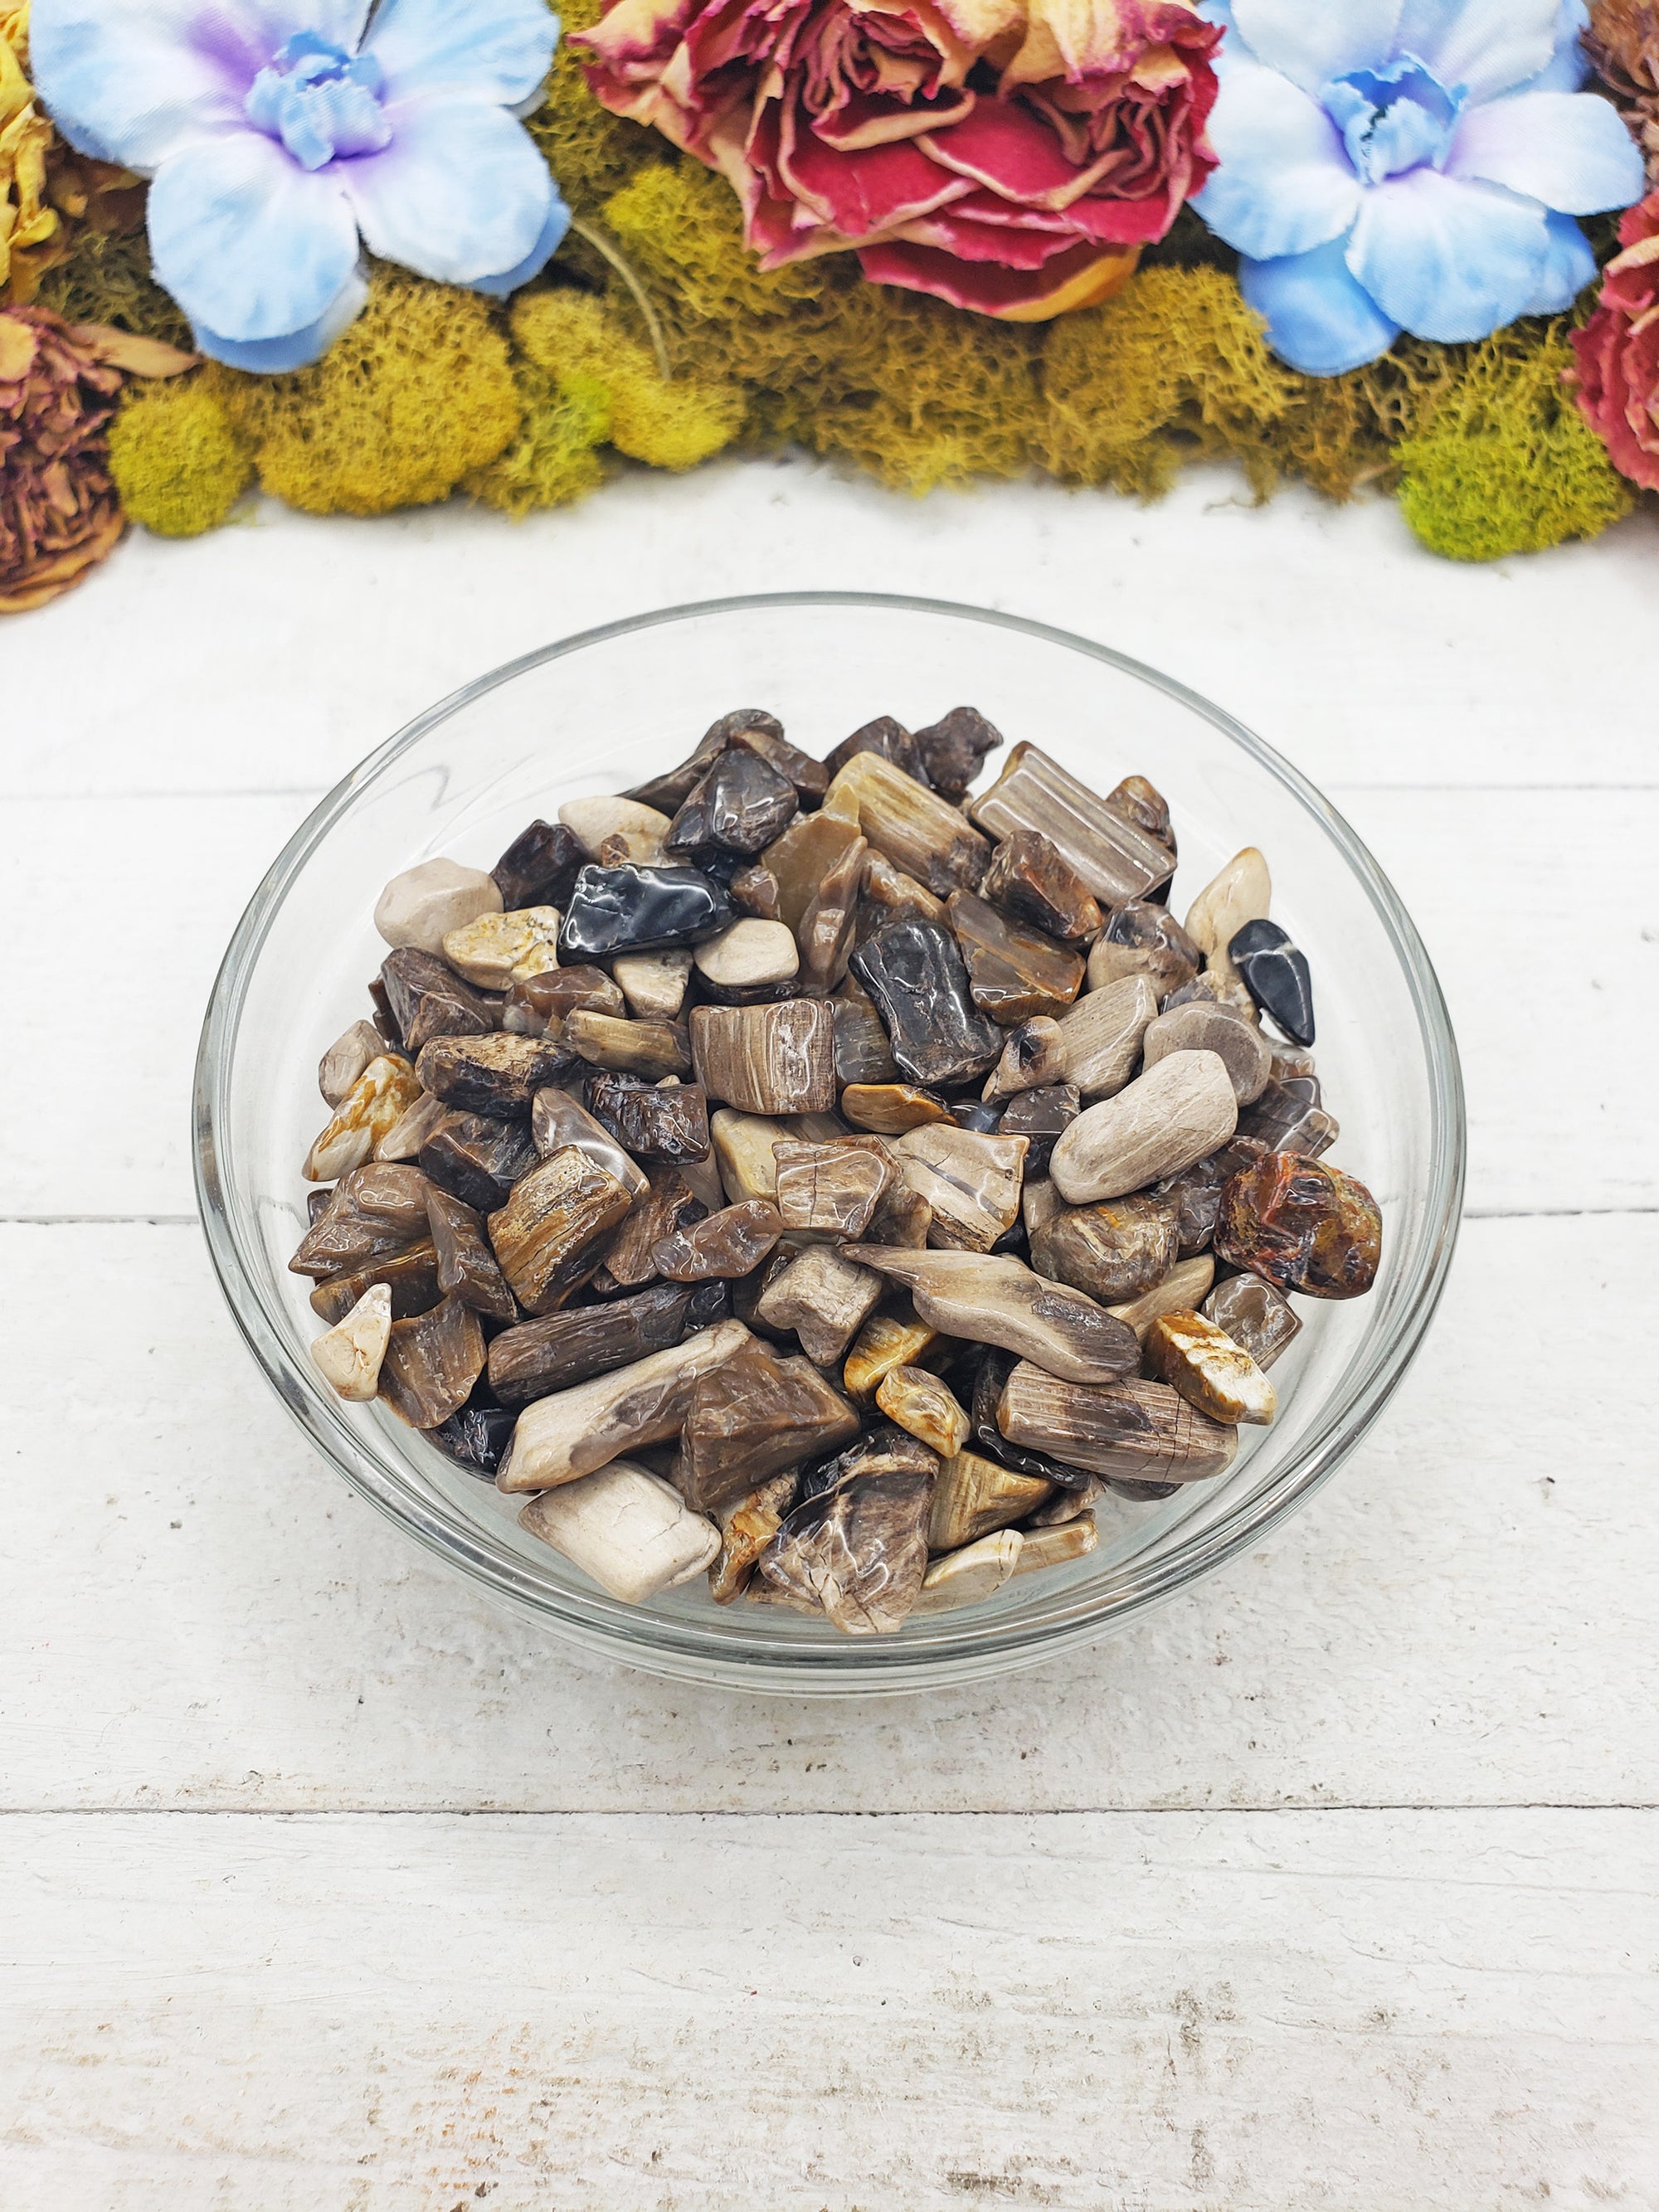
575,1431
653,983
1205,1025
971,1181
1209,1367
970,1575
499,949
921,1403
346,1059
351,1354
595,822
749,952
1101,1035
626,1529
1240,892
1052,1547
422,905
1176,1114
824,1298
743,1150
378,1099
403,1140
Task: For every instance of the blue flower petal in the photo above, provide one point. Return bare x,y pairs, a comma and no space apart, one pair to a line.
1285,183
1488,46
460,193
1318,319
1570,267
1567,149
1311,41
272,356
1569,67
248,243
491,50
1449,259
134,81
553,231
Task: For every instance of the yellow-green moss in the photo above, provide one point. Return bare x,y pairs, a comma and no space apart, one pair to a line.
179,466
552,461
590,151
417,394
107,279
1503,462
671,424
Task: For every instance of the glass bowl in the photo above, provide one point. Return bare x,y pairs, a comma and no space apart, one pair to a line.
602,711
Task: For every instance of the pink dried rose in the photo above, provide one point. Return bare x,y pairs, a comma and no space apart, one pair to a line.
1618,351
1009,158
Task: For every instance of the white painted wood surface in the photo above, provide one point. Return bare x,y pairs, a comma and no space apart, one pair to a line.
1331,1887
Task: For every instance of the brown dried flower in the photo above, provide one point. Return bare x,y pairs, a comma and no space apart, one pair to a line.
1622,43
47,191
58,512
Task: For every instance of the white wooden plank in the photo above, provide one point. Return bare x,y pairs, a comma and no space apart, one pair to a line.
1209,2012
1560,1049
195,1611
277,654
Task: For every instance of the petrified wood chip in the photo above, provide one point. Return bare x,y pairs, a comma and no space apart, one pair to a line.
346,1059
973,1495
1144,805
992,1298
1240,892
743,1148
626,1530
826,929
557,1119
1213,989
423,904
884,1342
497,1075
1275,974
371,1211
798,861
778,1059
1072,1504
824,1298
862,1053
746,954
1116,859
669,1206
1040,1117
427,1000
1302,1224
431,1363
1038,1202
638,909
953,749
1113,1251
971,1182
1287,1117
351,1354
860,1550
752,1414
500,949
885,736
386,1022
577,1430
542,1236
478,1158
539,866
886,1449
810,777
888,895
1029,878
477,1437
1195,1193
740,803
1033,1056
466,1266
410,1276
670,792
889,1108
1209,1369
1184,1285
670,1123
746,1528
1290,1060
992,1371
904,1218
984,1118
651,1049
1053,1547
540,1006
918,831
972,1574
1144,938
634,832
539,1357
1145,1431
1201,1027
1252,1314
915,976
726,1244
1013,972
922,1404
375,1104
1178,1112
404,1138
828,1193
1103,1035
753,890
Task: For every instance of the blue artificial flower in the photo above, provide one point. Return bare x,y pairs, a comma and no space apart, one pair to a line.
278,132
1416,165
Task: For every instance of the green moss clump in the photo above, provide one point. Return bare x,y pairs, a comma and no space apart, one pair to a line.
1504,463
553,461
177,465
106,279
590,151
673,423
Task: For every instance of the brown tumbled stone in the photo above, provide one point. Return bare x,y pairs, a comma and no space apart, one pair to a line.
411,1277
972,1181
372,1212
777,1058
1144,938
973,1496
1113,1250
915,973
890,1109
558,1119
754,890
825,931
1184,1285
810,777
670,791
560,1349
884,1342
746,1528
431,1363
993,1299
1029,878
1287,1116
545,1235
860,1550
1302,1224
1054,1546
1254,1314
754,1413
904,1218
885,736
467,1268
669,1206
888,895
725,1244
739,804
828,1193
1041,1117
862,1053
809,848
1013,972
497,1075
925,1407
1116,860
540,1006
824,1297
1033,1056
954,749
1209,1367
668,1124
918,831
651,1049
572,1433
1144,805
539,866
428,1000
1145,1431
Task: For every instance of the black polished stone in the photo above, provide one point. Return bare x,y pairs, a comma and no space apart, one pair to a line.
539,866
1275,974
477,1437
915,974
883,736
983,1116
1041,1116
632,908
477,1158
993,1370
711,1303
740,805
953,749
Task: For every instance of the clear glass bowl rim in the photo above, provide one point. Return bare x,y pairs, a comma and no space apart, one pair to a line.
952,1648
